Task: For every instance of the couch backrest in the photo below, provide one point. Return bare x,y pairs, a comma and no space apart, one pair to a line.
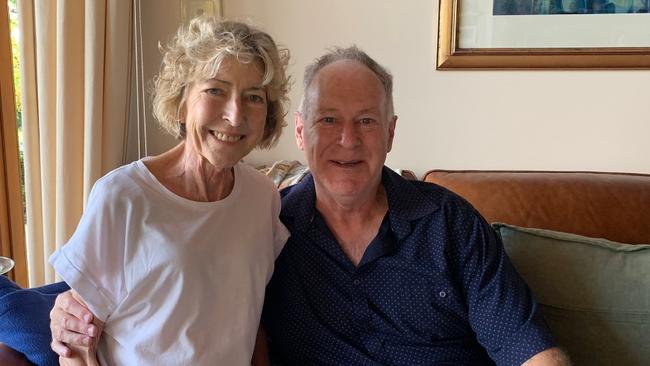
614,206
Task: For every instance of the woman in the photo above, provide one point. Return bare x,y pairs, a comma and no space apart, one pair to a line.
173,252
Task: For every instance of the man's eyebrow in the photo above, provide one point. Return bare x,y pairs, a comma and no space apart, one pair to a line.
325,110
365,110
370,110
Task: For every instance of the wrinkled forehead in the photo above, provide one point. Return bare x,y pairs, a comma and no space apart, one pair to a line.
227,64
344,81
346,72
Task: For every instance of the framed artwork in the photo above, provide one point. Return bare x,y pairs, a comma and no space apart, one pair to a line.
538,34
194,8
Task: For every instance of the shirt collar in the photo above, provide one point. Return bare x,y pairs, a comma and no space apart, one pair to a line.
298,204
406,203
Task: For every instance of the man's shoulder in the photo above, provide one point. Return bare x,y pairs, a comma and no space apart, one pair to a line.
440,194
296,193
298,201
412,194
284,192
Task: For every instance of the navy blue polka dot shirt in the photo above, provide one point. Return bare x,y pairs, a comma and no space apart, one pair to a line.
433,287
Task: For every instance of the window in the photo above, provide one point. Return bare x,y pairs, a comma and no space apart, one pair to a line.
12,230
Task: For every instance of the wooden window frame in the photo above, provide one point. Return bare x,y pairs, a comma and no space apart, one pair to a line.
12,224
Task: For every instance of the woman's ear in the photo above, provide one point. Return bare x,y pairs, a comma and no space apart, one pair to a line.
182,130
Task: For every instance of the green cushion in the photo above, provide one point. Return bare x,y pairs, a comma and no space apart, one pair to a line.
594,293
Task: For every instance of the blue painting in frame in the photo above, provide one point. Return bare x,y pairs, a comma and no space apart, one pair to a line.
553,7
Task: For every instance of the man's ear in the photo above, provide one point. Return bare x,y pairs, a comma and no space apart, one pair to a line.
300,124
391,132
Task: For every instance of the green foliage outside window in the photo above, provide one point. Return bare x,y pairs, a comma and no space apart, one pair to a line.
13,28
15,51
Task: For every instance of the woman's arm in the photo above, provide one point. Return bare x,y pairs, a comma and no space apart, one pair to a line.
75,330
261,350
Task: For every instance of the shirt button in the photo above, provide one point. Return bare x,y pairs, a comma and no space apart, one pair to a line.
442,294
356,282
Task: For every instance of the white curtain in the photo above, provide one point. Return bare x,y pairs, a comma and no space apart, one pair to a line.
75,86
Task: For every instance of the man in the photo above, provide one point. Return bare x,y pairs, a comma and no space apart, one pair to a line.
380,270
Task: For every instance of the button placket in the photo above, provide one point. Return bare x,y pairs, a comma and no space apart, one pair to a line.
360,303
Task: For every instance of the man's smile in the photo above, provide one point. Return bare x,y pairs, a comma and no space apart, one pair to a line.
346,163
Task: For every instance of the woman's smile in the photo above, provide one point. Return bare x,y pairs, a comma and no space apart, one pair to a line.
223,137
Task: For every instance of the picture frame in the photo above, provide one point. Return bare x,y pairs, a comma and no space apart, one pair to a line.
452,54
193,8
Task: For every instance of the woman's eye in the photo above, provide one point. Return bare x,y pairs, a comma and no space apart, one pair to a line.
214,91
256,98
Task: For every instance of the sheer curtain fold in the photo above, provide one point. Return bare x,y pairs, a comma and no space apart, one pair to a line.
76,63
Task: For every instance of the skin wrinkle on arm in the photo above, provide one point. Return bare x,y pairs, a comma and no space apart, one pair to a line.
550,357
261,351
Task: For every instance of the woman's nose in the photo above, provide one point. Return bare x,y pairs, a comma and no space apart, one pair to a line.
233,112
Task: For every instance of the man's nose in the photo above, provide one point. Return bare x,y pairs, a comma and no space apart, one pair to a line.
350,136
233,111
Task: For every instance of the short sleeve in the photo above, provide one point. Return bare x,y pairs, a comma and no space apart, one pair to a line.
92,261
280,232
502,310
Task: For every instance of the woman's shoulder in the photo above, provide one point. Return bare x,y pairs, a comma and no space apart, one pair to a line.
251,176
120,181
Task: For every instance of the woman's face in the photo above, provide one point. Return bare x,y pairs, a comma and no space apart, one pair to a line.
225,115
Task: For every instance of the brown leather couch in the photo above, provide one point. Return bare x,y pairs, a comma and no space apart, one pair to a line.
614,206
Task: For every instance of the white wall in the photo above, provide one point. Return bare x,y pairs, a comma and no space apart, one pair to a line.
160,20
538,120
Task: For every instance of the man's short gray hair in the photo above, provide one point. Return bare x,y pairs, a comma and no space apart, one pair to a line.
352,53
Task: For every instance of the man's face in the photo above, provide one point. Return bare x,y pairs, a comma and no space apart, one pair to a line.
345,132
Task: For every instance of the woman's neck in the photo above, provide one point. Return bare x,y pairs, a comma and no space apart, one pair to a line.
187,174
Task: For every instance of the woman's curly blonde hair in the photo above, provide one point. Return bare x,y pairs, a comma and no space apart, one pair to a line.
196,52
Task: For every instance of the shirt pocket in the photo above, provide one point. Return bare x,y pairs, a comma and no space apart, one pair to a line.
434,310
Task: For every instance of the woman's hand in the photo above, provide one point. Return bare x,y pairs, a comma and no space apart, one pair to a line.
71,324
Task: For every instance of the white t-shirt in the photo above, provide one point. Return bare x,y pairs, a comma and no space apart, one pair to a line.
177,282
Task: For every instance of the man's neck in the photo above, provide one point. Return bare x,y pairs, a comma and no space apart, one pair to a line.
354,223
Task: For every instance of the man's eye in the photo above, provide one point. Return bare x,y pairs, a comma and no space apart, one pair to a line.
366,121
328,119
